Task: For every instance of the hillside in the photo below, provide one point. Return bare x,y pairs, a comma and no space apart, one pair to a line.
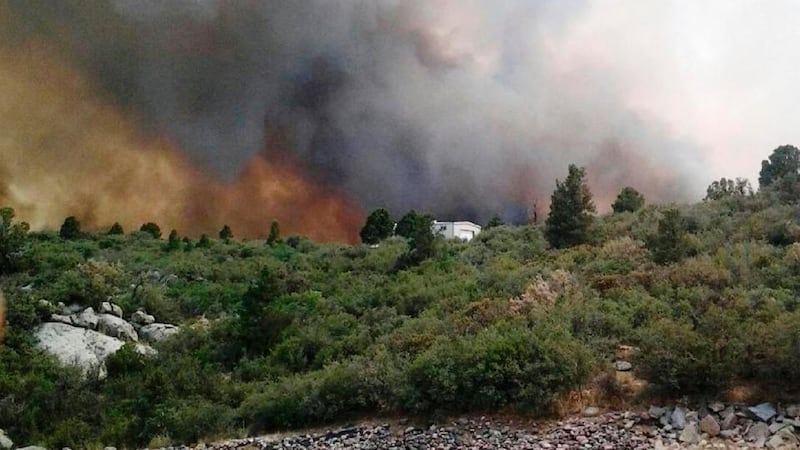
297,333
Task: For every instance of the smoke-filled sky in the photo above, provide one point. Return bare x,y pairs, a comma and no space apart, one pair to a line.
198,112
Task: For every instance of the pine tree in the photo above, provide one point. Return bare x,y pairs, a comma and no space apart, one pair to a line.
571,211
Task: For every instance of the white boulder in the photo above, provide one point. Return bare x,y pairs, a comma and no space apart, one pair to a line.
157,332
80,347
110,308
86,319
113,326
5,441
142,318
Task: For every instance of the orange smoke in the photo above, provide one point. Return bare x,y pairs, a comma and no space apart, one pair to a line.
65,151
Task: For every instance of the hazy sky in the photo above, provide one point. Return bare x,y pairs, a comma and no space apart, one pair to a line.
464,108
723,73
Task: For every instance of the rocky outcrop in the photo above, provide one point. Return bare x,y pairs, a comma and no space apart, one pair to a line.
85,339
81,347
759,426
158,332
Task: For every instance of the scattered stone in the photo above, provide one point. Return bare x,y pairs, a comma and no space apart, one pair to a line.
710,426
623,366
5,441
759,431
690,435
716,407
591,411
678,418
763,412
656,412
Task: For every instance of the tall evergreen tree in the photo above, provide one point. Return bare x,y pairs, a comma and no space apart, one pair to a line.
669,244
378,227
571,211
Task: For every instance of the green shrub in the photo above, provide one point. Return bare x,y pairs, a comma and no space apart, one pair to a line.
502,365
684,359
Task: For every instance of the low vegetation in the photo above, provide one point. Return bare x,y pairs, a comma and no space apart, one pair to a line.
289,332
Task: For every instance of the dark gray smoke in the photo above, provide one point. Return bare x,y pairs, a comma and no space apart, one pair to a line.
460,107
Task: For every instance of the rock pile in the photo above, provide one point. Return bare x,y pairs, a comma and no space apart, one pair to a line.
758,426
607,432
663,428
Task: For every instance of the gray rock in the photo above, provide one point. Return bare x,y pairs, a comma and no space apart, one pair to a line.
86,319
759,431
110,308
62,319
71,309
775,441
27,289
591,411
763,412
716,406
655,412
730,434
729,419
32,447
157,332
678,418
710,426
792,411
142,318
113,326
80,347
110,448
623,366
690,435
5,441
778,426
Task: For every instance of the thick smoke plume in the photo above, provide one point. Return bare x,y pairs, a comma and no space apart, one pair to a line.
195,112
